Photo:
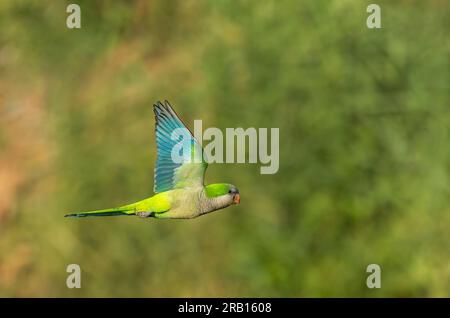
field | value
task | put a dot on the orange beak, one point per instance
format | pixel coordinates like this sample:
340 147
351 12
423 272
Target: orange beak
237 199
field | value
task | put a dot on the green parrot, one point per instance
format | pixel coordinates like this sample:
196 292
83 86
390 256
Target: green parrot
179 187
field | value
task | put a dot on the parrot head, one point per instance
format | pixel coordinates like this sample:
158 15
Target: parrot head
234 193
228 193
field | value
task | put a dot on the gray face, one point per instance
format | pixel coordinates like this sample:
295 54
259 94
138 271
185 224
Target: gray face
223 201
233 190
234 194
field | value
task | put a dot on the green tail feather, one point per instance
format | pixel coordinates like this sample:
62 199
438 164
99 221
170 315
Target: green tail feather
106 212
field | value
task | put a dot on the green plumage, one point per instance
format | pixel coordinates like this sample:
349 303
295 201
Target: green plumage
217 189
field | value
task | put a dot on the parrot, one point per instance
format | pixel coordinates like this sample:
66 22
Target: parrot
180 192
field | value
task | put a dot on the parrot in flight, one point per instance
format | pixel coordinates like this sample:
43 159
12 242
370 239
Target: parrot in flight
179 187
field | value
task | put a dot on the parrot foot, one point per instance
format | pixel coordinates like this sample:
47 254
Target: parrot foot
144 214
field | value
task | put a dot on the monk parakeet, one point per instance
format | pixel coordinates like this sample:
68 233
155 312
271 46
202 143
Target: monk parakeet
179 189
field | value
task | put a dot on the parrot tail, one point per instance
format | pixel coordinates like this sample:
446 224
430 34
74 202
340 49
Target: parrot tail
107 212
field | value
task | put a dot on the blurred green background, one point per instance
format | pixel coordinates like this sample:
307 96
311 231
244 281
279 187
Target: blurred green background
364 124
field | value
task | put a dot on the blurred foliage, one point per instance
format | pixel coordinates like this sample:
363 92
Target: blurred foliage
364 157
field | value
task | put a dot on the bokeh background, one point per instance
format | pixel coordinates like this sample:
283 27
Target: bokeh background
364 124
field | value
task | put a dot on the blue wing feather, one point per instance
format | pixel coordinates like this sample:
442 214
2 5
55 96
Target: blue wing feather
170 174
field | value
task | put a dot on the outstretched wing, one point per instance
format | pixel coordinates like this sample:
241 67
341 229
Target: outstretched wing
180 162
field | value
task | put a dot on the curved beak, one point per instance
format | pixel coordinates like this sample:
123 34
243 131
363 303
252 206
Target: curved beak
237 199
